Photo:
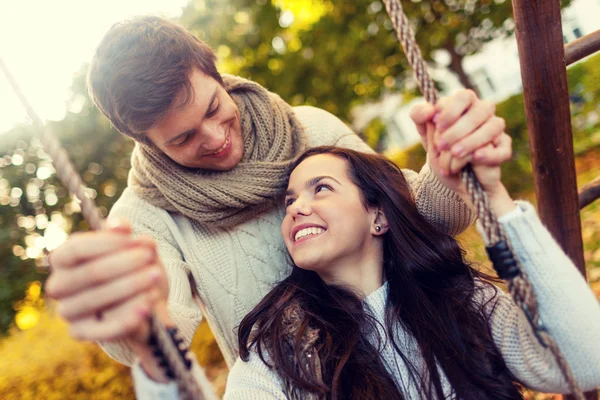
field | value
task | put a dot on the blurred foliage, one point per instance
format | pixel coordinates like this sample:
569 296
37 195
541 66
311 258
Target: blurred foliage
340 52
332 54
45 363
584 87
36 212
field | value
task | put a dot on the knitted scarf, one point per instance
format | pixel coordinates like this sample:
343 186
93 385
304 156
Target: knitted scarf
273 138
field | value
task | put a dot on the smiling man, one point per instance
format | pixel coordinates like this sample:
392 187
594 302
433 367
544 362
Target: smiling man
209 170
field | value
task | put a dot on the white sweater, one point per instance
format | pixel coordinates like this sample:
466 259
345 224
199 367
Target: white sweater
235 268
568 309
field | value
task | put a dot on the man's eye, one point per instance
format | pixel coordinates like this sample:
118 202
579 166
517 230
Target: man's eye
289 201
213 111
184 141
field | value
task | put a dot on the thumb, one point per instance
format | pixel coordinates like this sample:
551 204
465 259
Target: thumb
428 139
421 114
119 225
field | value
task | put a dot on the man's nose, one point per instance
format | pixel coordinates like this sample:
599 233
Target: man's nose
213 135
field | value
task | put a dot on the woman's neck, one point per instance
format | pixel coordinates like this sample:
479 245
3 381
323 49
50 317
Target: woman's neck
363 276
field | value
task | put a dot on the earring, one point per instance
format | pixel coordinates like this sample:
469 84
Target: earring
377 228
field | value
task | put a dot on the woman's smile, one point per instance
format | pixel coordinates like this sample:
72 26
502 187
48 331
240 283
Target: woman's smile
304 233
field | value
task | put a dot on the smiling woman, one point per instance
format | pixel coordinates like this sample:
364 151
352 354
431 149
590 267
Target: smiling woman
380 304
321 210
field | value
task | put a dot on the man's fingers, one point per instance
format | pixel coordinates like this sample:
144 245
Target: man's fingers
127 319
66 282
495 155
451 109
486 133
428 140
445 162
85 246
421 114
119 225
100 298
473 119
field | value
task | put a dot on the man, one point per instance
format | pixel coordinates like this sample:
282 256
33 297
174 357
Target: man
209 168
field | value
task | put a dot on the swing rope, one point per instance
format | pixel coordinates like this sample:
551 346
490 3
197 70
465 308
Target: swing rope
167 345
500 252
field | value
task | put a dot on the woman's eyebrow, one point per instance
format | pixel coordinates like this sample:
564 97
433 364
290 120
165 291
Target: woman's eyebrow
313 182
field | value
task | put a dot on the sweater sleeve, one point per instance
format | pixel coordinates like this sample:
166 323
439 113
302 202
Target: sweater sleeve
253 380
147 389
443 208
567 307
147 219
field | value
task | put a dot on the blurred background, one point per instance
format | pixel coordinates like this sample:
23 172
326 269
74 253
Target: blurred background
342 56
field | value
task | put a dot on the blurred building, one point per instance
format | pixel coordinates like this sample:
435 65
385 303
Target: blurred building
494 71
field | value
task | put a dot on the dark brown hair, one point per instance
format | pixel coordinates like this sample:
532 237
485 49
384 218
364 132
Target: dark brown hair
432 294
139 68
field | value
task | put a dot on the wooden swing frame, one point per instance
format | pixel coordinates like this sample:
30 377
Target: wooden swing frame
544 59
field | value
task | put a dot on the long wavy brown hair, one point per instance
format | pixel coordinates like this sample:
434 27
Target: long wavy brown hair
432 296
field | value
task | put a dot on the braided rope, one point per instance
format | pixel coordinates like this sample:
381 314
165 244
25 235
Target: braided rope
188 386
519 286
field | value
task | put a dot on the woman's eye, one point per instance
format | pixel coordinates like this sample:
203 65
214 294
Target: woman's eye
321 187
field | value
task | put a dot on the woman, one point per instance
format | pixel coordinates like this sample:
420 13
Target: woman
382 305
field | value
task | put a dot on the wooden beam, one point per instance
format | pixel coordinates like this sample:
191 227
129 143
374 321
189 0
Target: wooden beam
538 29
589 193
582 47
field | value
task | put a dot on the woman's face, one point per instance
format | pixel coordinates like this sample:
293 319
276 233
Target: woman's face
326 223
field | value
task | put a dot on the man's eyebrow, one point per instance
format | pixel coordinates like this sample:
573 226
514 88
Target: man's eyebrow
313 182
190 131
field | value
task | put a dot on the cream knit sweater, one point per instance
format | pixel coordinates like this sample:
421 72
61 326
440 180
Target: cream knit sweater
235 268
568 309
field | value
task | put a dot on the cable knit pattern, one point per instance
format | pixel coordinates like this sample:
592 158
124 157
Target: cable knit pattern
235 267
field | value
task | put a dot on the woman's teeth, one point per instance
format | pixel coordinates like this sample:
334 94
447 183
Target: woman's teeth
308 231
222 147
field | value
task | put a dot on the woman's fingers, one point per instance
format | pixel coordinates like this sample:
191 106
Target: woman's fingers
458 163
116 291
489 155
100 270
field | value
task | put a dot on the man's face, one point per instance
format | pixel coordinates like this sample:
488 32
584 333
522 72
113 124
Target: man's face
206 133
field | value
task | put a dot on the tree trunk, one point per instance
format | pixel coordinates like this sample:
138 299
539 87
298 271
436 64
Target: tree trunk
456 67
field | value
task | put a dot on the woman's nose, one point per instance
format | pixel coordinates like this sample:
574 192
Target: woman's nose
301 207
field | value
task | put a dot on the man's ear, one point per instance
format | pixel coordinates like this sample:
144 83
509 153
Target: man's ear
380 223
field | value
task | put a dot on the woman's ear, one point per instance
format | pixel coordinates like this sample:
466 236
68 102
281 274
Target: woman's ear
380 223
